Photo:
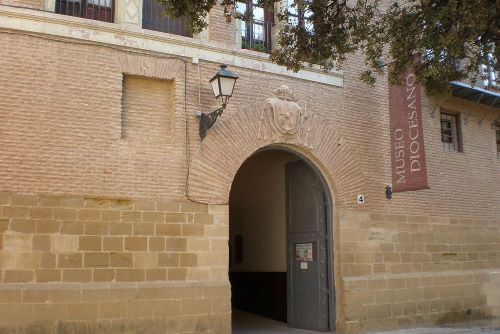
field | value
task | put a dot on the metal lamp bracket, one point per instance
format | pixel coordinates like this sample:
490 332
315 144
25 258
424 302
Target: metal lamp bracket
223 90
208 120
434 111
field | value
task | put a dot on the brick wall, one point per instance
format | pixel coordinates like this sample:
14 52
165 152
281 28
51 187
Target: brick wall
71 128
148 107
454 188
57 134
220 31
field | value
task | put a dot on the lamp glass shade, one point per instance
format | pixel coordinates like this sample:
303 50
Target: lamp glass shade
215 86
223 82
226 86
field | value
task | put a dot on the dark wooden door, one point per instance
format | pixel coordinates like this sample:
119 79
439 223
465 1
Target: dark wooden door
307 289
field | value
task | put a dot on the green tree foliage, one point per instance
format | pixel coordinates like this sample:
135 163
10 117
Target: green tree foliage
445 40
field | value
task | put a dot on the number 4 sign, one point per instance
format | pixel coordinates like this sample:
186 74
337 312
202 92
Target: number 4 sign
361 199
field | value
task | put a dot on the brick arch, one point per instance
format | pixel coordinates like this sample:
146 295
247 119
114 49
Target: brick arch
239 134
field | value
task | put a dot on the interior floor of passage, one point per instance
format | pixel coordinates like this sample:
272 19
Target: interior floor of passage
248 323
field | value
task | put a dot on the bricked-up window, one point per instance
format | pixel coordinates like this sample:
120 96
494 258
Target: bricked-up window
256 29
153 18
451 132
101 10
148 110
497 132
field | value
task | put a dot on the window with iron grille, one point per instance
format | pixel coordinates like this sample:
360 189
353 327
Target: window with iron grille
101 10
154 18
450 132
497 132
300 16
256 27
489 74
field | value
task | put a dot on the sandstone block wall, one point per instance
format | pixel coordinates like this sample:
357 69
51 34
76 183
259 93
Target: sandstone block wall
115 262
400 271
114 308
75 239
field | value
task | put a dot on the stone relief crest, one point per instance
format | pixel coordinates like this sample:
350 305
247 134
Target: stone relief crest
284 119
285 111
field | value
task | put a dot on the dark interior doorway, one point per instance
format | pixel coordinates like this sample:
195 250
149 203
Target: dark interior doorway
265 273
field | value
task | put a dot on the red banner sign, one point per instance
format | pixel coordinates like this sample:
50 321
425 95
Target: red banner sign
409 167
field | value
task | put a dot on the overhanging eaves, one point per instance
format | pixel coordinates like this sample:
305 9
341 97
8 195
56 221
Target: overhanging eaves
475 94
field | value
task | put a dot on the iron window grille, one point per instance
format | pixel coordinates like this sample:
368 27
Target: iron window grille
100 10
154 18
300 16
450 132
489 74
256 25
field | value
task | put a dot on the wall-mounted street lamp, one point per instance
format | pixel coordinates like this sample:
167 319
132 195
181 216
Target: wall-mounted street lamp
223 85
388 191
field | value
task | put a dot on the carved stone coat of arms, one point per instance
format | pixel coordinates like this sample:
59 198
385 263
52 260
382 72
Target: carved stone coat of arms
284 118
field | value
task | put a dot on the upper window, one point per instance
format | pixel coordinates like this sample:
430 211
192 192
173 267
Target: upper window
489 73
153 18
300 17
450 132
256 27
497 132
102 10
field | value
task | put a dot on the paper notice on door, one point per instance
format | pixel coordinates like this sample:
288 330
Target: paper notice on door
303 266
304 252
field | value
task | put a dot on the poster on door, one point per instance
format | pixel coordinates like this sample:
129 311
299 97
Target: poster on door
304 252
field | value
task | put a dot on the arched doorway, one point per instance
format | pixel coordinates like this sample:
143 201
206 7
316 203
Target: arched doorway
245 132
280 237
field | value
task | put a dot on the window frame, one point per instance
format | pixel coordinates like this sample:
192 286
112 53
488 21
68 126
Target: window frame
153 19
490 81
267 25
300 16
83 12
456 143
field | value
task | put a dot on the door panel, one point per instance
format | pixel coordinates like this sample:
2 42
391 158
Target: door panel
307 290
